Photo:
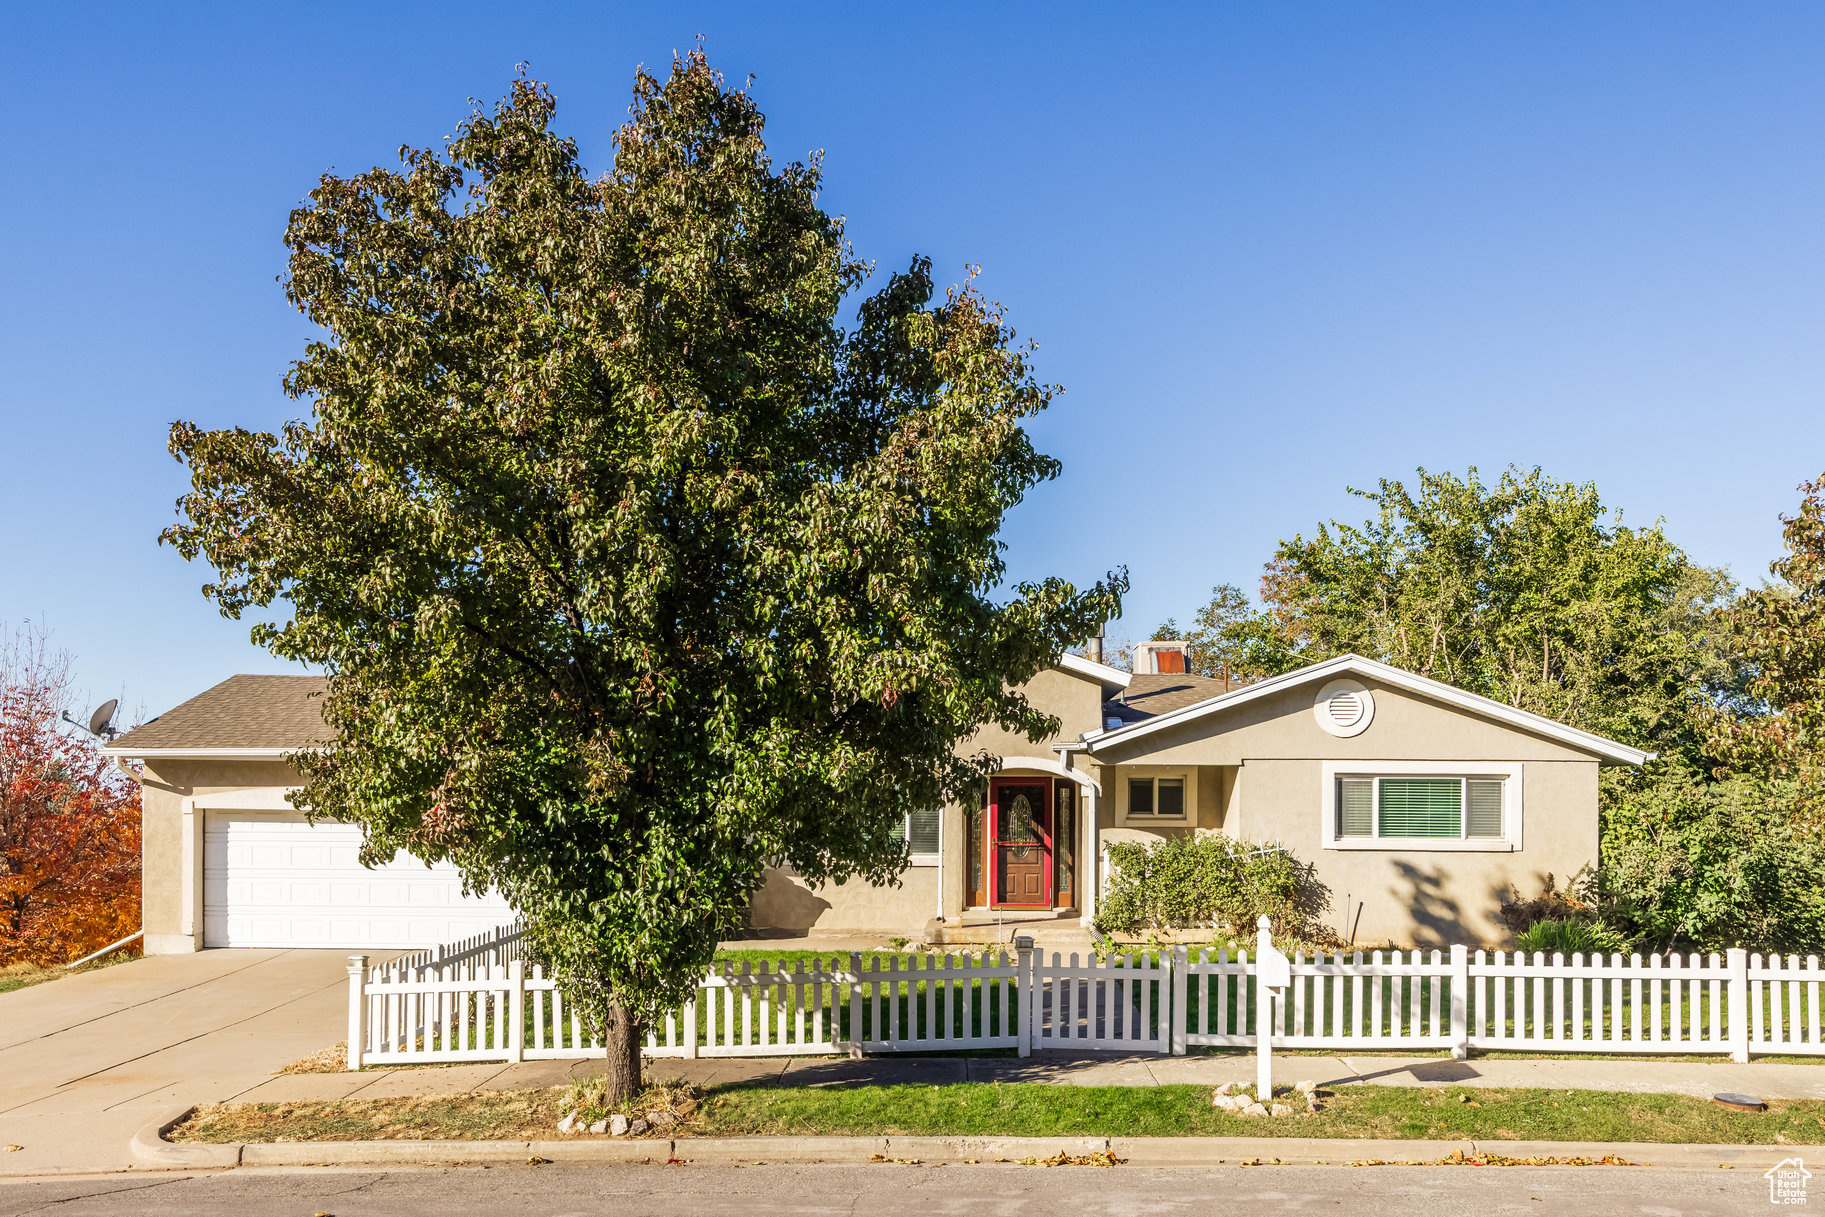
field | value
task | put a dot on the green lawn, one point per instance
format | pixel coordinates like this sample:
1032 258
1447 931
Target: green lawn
1038 1109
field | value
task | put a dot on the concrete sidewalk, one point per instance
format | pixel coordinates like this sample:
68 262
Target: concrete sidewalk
88 1059
1699 1078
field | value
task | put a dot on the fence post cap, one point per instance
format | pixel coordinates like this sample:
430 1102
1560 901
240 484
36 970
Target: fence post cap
1023 942
357 961
1262 923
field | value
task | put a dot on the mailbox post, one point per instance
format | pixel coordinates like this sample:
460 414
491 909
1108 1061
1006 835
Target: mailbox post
1273 975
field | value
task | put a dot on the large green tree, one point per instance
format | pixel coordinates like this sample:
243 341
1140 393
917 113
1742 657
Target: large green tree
1776 633
631 569
1527 591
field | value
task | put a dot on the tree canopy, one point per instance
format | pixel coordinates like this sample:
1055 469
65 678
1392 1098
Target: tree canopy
69 821
1527 591
631 569
1776 634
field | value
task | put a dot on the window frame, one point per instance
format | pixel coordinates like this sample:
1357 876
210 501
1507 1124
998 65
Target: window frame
1187 773
1509 772
935 857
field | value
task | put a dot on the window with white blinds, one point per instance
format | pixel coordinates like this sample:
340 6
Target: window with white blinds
1428 807
920 833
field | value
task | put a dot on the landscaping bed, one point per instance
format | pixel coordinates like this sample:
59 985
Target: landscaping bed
1031 1109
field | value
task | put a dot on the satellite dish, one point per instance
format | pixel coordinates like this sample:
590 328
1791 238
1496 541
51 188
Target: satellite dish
101 722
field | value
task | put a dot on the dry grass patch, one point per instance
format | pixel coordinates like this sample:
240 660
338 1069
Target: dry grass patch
326 1060
505 1115
23 974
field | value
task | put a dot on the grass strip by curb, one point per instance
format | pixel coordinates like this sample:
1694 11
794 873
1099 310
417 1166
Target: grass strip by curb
1392 1113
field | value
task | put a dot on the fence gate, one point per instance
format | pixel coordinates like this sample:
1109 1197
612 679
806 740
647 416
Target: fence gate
1121 1002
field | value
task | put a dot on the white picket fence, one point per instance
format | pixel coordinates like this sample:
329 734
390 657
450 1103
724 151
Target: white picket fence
478 1000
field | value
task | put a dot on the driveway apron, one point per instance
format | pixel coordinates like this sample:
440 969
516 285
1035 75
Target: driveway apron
85 1060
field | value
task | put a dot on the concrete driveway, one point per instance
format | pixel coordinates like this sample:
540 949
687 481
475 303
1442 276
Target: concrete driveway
86 1060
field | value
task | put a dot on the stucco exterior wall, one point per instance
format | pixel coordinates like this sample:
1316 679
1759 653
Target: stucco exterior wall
786 902
1076 701
172 846
1405 893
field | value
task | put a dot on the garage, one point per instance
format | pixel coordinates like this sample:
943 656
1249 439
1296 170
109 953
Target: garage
276 880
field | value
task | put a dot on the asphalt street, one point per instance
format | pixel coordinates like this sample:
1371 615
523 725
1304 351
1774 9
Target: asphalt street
968 1191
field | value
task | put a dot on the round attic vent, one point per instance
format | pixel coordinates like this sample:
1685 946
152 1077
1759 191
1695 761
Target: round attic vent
1344 708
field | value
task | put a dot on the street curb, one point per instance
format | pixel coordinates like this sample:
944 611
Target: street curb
149 1146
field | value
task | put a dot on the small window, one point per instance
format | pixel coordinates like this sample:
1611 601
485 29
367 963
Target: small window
1483 807
920 832
1159 799
1356 807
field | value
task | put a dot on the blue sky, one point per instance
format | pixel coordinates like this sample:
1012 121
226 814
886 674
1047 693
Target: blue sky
1271 251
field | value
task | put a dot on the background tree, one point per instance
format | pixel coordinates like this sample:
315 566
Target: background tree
1776 634
631 571
69 822
1225 642
1527 592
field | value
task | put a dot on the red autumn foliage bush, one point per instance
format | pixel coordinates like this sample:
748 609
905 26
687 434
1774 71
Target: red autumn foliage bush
69 821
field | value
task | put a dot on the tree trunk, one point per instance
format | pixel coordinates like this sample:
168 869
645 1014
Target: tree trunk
624 1038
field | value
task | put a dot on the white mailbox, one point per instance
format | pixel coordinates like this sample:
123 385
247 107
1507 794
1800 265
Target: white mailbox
1276 968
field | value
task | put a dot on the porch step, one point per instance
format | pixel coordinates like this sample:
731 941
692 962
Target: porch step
1047 930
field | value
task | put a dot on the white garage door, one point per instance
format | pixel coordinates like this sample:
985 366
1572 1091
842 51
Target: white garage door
278 881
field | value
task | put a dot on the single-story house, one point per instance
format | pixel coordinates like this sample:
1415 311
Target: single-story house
1417 803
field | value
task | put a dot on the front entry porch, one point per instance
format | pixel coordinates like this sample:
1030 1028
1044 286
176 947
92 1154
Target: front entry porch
1022 848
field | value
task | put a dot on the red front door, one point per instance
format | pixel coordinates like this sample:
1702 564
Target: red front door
1020 844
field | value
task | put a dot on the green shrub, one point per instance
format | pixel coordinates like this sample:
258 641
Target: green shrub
1205 879
1570 938
1690 864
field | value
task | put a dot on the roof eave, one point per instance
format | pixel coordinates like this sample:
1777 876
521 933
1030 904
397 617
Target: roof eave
1606 749
222 754
1099 672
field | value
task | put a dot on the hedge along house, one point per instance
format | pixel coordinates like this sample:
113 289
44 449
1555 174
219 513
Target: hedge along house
1416 804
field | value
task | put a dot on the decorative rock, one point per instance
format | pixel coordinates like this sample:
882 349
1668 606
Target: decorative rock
638 1127
1254 1109
1280 1109
568 1124
661 1119
600 1126
686 1107
1226 1102
1306 1087
1226 1089
617 1125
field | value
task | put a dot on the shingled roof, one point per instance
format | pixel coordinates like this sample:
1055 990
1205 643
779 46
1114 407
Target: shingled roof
243 712
1151 693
